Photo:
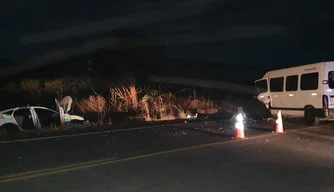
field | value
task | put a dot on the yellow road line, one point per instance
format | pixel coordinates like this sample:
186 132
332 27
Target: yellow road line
54 169
68 168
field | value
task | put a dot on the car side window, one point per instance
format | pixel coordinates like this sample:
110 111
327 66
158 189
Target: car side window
23 118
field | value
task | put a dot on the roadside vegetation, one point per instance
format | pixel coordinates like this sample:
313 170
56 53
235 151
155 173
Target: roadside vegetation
103 102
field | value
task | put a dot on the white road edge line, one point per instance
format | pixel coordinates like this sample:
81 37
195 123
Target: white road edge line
84 134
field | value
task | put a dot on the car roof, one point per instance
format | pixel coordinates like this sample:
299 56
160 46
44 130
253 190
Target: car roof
25 107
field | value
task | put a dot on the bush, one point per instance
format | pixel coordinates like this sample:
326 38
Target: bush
67 86
55 86
161 107
147 103
228 106
124 99
93 108
198 104
203 106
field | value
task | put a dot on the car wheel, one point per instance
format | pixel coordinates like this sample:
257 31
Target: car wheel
309 115
9 128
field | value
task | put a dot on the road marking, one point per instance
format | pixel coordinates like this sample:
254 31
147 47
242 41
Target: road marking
53 169
91 133
96 163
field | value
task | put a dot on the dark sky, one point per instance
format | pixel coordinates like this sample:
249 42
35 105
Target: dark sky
244 34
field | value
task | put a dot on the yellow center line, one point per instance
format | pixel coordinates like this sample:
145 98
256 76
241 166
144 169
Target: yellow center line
54 169
96 163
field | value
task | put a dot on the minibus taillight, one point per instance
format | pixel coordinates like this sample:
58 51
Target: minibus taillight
325 101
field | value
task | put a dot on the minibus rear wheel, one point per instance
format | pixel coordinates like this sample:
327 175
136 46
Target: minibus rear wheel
309 115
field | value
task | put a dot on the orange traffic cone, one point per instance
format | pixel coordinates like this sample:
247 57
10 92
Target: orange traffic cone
239 131
279 123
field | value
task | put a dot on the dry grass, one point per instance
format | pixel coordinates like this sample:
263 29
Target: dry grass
228 106
31 86
51 128
201 106
158 108
67 86
124 99
55 86
148 103
94 107
181 112
196 104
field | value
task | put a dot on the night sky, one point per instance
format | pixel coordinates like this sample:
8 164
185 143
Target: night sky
212 39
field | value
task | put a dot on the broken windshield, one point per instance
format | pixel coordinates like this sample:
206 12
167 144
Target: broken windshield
261 86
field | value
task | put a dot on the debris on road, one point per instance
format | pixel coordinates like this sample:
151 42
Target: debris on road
189 117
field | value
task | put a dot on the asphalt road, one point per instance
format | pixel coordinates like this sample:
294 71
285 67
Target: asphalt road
30 155
299 160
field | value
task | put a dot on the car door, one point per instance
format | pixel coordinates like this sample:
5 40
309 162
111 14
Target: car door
292 93
61 112
263 91
24 118
46 118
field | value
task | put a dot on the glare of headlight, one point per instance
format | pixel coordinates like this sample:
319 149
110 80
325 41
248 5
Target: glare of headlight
239 117
239 125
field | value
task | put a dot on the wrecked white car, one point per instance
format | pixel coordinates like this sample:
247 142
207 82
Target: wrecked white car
31 117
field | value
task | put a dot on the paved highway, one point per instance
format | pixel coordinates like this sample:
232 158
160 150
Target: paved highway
299 160
47 152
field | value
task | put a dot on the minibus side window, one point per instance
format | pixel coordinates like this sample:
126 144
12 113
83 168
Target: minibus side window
331 79
276 84
291 83
309 81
